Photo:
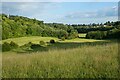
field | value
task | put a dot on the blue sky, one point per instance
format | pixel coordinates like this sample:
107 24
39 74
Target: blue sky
64 12
59 0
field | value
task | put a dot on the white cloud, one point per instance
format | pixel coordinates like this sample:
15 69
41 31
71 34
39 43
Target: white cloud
106 12
43 11
30 7
40 10
27 7
115 8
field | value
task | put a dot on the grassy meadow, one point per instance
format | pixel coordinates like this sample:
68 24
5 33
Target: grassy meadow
35 39
76 58
23 40
82 35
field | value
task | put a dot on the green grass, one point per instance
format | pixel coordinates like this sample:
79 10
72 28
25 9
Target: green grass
82 35
76 58
67 44
98 61
35 39
23 40
82 40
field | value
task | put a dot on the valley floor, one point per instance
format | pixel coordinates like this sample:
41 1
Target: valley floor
64 60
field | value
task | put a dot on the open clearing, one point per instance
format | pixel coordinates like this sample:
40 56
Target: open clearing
23 40
35 39
82 35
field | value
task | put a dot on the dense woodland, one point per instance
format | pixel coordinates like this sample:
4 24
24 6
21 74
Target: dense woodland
19 26
109 30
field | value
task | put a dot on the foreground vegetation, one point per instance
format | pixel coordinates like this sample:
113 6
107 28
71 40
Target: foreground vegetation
86 61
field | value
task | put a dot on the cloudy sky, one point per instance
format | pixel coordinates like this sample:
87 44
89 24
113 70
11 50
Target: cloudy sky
64 12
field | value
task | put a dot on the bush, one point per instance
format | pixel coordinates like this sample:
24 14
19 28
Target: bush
52 41
42 43
114 33
6 47
35 46
13 45
63 38
28 44
110 34
96 35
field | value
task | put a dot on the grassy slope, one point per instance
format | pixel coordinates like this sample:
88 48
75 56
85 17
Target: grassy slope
35 39
66 59
85 62
23 40
82 40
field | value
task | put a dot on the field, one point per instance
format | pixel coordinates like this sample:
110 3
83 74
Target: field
35 39
82 35
23 40
76 58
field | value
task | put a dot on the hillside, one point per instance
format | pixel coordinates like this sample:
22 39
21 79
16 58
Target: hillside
19 26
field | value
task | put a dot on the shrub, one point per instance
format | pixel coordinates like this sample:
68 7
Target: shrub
114 33
52 41
42 43
28 44
34 46
96 35
63 38
13 45
6 47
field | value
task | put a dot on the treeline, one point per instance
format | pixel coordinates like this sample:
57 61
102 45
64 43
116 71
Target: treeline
113 33
19 26
85 28
110 34
108 30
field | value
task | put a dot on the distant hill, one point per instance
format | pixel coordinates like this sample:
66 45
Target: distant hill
19 26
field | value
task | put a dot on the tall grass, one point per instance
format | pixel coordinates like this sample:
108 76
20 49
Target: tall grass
0 65
99 61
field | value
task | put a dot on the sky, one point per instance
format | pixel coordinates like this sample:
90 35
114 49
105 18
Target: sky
59 0
64 12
